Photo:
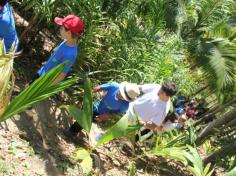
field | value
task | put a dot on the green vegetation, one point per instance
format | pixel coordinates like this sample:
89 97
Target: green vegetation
189 42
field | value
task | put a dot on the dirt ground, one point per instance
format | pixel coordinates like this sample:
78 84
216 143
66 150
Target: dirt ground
32 143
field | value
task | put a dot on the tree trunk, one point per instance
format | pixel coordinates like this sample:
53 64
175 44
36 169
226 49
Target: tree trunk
231 123
212 113
216 124
222 152
32 22
200 90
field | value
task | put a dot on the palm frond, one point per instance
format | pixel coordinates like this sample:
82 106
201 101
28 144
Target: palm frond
38 91
218 59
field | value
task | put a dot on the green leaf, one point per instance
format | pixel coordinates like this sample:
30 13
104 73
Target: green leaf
88 104
79 116
175 153
231 173
116 131
83 156
84 116
120 129
207 171
38 91
194 171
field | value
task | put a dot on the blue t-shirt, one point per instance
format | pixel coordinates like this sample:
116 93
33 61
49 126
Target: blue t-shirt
7 28
110 103
61 54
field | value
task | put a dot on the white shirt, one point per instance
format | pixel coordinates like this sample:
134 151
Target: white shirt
149 107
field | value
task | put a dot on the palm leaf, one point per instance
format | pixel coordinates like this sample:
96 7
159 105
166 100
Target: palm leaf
120 129
6 68
84 116
218 61
88 104
175 153
79 116
38 91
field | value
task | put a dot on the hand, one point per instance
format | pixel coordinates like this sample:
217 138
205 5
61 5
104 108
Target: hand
150 126
102 118
96 89
98 119
159 129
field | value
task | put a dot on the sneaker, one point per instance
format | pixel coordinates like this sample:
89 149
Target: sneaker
70 134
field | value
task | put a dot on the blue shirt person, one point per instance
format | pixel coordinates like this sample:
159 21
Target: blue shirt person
110 103
61 54
71 28
116 100
7 27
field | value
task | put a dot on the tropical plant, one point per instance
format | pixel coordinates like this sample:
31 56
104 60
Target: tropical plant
41 89
85 159
7 77
122 128
197 168
186 157
217 57
231 173
84 116
131 169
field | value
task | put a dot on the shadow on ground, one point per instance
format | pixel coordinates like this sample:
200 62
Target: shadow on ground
43 127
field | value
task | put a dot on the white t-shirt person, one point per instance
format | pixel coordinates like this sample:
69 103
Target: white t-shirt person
149 107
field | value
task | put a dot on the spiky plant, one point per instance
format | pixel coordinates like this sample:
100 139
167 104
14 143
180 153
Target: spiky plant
6 78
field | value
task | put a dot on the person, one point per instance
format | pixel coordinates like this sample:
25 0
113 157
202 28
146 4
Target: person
7 26
171 121
152 107
71 28
115 101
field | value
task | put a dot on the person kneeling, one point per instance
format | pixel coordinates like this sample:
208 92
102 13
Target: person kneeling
116 101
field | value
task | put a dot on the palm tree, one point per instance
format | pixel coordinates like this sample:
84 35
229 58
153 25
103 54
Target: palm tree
39 90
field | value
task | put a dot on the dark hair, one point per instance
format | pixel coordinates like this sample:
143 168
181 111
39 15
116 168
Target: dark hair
169 88
171 117
3 2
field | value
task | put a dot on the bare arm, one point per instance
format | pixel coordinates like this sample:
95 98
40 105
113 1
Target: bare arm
102 118
153 127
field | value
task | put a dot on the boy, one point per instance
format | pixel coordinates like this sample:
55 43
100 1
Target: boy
7 26
71 28
153 106
116 101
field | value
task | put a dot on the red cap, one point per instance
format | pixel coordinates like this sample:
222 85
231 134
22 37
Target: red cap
72 23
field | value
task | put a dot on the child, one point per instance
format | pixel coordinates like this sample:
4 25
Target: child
7 26
116 101
71 27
